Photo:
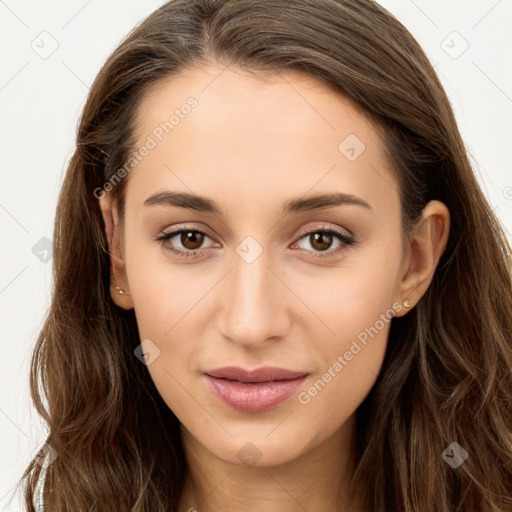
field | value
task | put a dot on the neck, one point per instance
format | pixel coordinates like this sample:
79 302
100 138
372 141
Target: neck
316 480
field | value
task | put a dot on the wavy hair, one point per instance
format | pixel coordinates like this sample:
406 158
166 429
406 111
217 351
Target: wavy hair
447 373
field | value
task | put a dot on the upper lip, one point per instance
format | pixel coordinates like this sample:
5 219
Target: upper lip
263 374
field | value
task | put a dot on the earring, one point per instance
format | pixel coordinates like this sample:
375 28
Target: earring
407 303
120 291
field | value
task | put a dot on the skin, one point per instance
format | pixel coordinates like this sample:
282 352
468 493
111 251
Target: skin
251 145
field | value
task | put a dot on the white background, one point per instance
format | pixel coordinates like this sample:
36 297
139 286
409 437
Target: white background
40 102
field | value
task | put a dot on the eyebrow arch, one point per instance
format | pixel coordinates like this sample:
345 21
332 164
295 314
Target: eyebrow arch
203 204
323 201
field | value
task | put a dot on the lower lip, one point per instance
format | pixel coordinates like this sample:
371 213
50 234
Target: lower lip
254 396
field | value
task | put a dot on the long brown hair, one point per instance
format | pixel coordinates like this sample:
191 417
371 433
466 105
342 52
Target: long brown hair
447 374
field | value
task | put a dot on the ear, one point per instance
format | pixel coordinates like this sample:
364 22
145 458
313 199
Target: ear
119 290
425 247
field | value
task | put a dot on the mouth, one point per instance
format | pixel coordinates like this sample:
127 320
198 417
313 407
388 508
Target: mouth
256 390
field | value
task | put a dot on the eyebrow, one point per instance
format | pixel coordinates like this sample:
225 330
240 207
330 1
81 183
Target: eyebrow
203 204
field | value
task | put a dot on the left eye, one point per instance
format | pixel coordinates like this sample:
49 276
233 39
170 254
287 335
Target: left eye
321 241
192 240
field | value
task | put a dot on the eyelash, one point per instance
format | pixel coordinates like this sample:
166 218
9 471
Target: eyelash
347 241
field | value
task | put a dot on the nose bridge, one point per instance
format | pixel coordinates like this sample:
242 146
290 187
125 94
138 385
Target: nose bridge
253 299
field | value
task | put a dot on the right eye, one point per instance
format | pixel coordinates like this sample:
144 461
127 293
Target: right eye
190 239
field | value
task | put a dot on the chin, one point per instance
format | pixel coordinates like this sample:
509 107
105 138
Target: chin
255 447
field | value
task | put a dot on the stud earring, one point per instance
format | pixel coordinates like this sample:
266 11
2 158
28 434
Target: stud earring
407 303
120 291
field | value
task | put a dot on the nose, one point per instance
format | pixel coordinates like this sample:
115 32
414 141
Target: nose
254 303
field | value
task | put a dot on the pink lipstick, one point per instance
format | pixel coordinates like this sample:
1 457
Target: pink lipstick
254 390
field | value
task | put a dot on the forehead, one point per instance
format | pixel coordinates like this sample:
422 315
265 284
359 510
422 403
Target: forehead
289 102
271 135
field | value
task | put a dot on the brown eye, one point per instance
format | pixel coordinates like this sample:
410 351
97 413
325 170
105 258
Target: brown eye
191 239
320 241
325 242
185 243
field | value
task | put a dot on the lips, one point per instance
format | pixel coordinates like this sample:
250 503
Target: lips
265 374
254 390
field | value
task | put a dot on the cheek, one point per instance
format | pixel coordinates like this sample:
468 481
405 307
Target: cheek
350 363
163 291
356 308
352 298
168 305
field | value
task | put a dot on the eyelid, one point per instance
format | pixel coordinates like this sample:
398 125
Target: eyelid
324 227
179 228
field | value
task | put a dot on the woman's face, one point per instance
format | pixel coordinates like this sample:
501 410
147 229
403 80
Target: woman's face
265 285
